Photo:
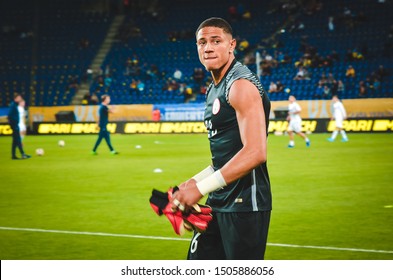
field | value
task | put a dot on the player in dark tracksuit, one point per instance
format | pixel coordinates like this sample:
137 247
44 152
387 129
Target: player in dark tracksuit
237 118
13 120
102 123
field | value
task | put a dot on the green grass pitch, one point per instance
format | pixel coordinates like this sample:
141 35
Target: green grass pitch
331 201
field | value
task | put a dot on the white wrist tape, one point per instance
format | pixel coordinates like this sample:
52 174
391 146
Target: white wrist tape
203 174
211 183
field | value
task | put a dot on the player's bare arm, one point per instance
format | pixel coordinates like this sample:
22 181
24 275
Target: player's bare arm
187 195
246 100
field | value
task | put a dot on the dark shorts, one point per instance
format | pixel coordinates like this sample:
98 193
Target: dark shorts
232 236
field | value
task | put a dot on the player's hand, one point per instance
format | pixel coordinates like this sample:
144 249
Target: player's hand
196 217
186 196
184 184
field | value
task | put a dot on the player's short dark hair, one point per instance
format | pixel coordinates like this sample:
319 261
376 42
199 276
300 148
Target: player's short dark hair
215 22
17 94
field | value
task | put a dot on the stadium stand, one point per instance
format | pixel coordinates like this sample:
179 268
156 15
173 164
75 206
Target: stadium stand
49 47
46 48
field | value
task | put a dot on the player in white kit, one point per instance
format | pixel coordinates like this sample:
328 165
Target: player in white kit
22 119
339 114
295 122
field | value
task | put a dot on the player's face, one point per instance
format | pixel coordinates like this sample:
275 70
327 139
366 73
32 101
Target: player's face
107 100
215 47
18 99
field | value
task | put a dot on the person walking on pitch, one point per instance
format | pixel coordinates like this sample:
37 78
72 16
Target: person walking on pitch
295 122
103 111
339 115
13 120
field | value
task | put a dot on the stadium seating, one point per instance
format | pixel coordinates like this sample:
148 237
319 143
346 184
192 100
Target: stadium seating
48 65
43 56
157 45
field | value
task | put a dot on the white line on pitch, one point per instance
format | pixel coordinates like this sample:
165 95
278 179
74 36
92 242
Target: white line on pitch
331 248
95 233
186 239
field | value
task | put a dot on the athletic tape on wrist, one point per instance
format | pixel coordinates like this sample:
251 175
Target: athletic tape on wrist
203 174
211 183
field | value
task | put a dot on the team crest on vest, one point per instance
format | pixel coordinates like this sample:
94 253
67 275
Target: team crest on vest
216 106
